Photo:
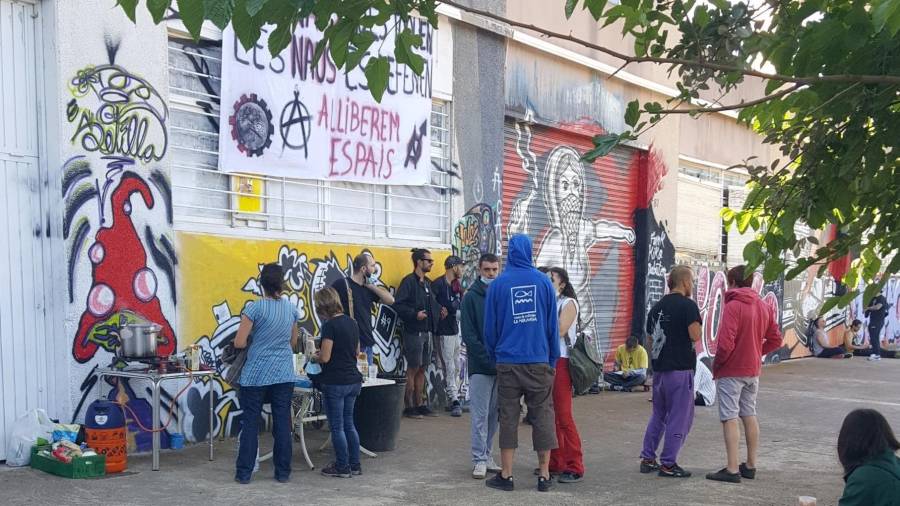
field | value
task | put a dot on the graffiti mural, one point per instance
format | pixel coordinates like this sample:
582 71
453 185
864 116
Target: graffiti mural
210 316
473 235
580 217
117 221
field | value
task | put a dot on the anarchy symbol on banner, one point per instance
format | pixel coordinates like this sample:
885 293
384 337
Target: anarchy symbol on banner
414 146
295 114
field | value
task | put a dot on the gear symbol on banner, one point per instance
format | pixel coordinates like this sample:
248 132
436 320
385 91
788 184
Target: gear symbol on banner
251 125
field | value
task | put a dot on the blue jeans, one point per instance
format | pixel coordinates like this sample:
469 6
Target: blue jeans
339 403
252 400
483 407
370 354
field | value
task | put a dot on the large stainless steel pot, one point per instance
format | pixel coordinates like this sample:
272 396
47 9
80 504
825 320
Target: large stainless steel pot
138 340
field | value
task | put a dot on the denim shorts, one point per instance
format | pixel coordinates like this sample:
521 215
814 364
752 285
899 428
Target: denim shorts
417 349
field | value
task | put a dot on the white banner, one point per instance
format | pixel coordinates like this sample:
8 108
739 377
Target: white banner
283 116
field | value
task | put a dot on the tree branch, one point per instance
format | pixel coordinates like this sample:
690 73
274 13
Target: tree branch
838 78
741 105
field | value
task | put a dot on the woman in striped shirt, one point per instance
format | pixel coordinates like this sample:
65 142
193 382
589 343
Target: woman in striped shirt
269 327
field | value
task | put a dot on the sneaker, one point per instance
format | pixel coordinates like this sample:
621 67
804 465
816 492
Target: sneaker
724 475
649 466
242 481
334 472
356 471
492 466
747 472
627 389
412 413
456 409
874 358
424 410
500 483
595 389
285 479
616 388
544 485
479 472
569 477
848 355
673 471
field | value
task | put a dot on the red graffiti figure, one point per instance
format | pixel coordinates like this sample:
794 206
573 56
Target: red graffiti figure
122 282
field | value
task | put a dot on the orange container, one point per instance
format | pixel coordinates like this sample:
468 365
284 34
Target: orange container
109 442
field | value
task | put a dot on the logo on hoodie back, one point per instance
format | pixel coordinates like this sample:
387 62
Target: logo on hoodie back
524 305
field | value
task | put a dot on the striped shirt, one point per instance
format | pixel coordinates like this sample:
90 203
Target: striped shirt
269 357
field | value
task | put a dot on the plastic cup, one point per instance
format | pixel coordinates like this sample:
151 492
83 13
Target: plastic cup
373 372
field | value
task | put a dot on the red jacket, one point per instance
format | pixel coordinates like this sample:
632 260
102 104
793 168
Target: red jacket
747 332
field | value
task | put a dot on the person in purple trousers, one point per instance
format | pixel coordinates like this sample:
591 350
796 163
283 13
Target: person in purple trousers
673 325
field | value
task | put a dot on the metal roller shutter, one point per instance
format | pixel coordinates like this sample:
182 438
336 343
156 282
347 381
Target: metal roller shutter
580 217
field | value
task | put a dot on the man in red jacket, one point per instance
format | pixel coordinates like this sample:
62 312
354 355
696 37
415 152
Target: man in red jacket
747 331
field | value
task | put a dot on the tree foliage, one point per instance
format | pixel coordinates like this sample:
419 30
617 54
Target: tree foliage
831 103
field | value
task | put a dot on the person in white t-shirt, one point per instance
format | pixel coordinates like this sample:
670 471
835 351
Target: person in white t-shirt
566 460
704 385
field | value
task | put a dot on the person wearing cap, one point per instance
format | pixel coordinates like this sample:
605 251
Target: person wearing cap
448 292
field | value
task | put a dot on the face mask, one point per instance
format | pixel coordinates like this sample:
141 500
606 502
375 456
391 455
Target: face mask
486 281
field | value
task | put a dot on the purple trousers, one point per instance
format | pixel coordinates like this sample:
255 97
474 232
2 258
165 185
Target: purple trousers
673 415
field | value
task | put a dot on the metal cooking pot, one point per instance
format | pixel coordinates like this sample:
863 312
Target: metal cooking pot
138 340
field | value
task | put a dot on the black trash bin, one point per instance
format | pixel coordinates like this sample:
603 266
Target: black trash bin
377 415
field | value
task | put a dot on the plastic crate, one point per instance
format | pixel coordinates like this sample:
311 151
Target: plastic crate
81 467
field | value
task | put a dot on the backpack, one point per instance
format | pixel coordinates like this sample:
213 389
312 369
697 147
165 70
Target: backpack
583 371
811 335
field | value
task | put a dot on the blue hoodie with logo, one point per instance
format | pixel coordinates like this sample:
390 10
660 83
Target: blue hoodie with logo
520 321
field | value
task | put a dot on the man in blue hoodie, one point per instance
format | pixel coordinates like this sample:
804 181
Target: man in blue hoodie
521 334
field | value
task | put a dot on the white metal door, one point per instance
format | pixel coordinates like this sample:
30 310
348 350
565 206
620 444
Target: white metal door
23 233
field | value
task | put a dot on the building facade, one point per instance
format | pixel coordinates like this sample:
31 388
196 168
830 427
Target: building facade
117 210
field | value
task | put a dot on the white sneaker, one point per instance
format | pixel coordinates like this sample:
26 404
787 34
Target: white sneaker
492 466
874 357
479 472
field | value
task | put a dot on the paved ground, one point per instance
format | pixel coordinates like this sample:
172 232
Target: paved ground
802 405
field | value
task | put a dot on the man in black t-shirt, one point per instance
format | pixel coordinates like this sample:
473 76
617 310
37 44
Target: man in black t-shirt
673 325
876 311
448 292
363 285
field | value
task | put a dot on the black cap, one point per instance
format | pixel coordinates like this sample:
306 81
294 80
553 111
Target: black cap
452 261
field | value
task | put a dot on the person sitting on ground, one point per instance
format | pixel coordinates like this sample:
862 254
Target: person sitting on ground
851 337
630 366
867 450
821 346
340 381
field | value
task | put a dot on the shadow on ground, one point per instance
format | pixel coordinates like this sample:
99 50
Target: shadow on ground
802 404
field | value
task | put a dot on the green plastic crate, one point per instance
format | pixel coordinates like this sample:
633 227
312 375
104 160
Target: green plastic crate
81 467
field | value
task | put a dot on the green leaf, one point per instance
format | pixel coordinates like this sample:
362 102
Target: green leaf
191 12
339 41
886 14
603 144
774 268
281 36
570 7
129 6
157 9
701 16
753 254
254 6
404 53
320 50
246 28
595 7
632 113
353 59
376 71
218 11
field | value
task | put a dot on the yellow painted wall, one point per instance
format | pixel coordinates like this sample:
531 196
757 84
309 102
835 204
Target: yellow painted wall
215 270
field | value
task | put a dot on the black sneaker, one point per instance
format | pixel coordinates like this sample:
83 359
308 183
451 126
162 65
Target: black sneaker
334 472
569 477
424 410
544 485
649 466
356 471
242 481
412 413
747 472
595 389
724 475
283 479
674 471
500 483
